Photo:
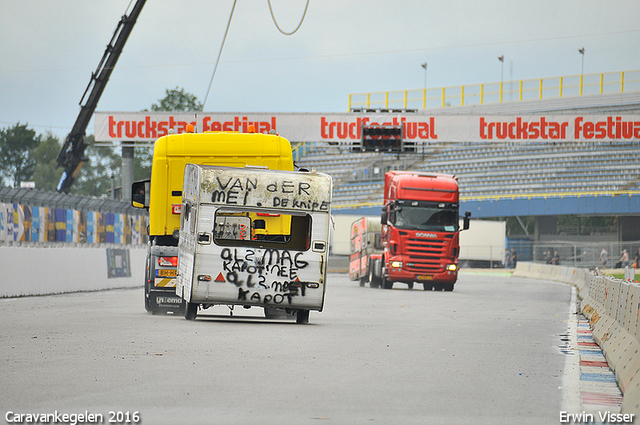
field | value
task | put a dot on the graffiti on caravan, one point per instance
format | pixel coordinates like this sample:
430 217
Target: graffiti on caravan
267 276
295 193
256 265
285 295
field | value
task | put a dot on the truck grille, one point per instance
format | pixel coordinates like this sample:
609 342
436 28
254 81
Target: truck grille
425 255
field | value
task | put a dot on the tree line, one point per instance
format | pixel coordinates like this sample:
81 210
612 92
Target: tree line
29 157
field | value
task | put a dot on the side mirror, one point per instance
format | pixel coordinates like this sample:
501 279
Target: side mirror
384 216
140 194
467 219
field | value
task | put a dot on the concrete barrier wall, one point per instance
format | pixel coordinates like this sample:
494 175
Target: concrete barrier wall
578 277
613 308
42 271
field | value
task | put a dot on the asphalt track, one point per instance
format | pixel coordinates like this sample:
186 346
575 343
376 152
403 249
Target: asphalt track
490 352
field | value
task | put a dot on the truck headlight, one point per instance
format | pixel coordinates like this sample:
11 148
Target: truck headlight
396 264
452 267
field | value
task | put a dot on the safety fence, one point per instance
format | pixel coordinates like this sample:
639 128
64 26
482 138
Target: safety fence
33 217
613 309
585 254
507 91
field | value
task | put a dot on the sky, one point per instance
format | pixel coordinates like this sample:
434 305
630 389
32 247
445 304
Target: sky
49 48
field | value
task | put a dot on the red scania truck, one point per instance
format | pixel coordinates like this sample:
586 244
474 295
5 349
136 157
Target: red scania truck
420 230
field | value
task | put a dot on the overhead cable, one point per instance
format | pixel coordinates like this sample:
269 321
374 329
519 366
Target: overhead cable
219 54
297 28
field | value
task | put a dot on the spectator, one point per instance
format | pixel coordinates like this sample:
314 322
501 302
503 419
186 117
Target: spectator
624 260
636 260
514 258
604 258
547 258
555 260
507 259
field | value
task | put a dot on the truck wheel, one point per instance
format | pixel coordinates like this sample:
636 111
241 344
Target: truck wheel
191 311
373 281
363 281
270 313
147 299
428 286
302 317
276 313
448 287
410 284
386 284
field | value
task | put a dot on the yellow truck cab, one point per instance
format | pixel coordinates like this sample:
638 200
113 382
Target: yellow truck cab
162 196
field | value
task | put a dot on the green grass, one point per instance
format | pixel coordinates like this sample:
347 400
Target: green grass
620 275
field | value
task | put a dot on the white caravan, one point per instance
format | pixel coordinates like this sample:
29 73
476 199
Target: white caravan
254 237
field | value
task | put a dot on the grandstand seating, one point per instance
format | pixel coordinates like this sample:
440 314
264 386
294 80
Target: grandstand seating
498 168
487 169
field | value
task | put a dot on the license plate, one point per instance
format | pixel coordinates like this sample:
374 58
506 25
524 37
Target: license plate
166 273
424 277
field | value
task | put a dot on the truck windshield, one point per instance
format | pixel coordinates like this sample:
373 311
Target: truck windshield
426 217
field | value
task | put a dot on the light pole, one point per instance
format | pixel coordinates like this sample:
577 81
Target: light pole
424 65
424 93
501 59
581 51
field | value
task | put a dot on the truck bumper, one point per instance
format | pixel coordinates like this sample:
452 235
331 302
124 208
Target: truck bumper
401 275
163 300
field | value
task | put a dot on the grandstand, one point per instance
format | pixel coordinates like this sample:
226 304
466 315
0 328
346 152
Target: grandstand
511 180
488 169
537 168
541 179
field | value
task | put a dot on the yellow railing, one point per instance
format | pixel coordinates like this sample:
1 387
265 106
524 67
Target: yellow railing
508 91
300 149
518 196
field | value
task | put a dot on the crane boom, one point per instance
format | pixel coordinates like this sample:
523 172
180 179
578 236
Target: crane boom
71 155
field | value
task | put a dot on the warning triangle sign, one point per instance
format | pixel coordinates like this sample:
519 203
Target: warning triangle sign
220 278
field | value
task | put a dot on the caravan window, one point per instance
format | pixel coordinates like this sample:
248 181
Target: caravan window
260 229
